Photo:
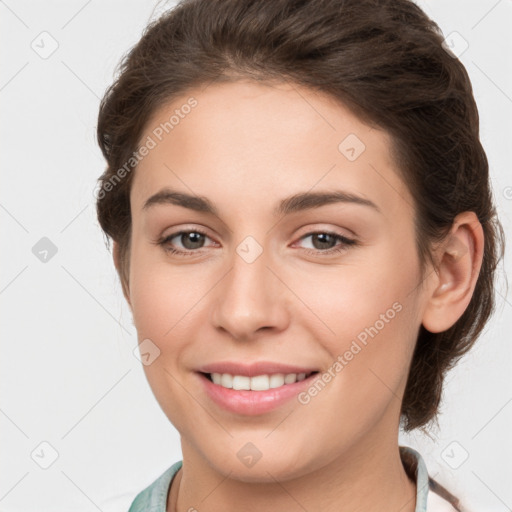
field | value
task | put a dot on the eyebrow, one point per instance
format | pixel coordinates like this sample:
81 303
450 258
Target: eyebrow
298 202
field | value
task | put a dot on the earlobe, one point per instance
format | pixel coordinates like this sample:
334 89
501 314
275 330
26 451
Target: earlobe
460 259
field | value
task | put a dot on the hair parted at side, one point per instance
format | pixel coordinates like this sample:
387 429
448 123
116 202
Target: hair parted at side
385 61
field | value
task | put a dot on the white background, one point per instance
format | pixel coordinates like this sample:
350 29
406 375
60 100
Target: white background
68 374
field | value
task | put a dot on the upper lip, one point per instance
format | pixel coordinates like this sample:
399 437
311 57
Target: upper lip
253 369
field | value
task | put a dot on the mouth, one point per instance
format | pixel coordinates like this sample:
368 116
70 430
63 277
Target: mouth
262 382
255 395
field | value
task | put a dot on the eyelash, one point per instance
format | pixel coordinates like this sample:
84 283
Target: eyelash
345 242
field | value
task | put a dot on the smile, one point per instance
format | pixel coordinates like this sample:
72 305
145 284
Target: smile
258 382
256 395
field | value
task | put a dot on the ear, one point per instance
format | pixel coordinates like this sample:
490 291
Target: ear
117 263
460 259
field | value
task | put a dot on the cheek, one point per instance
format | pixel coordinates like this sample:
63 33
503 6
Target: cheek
165 304
369 361
162 295
343 302
370 312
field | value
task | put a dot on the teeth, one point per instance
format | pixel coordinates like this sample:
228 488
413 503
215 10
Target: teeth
241 382
257 383
260 383
290 378
226 380
276 380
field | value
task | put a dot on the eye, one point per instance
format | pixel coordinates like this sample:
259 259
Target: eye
325 242
190 241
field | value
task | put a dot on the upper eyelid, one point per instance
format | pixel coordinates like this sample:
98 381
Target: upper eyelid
203 230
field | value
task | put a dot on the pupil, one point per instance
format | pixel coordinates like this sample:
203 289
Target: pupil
323 243
192 240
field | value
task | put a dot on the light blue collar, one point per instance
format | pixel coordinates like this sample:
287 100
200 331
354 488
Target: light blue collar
418 471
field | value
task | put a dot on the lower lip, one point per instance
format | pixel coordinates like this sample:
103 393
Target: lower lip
252 403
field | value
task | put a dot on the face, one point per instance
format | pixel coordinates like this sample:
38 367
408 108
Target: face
327 281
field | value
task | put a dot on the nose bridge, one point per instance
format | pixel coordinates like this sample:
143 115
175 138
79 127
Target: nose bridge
249 295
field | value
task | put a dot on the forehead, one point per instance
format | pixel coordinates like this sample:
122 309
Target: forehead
264 140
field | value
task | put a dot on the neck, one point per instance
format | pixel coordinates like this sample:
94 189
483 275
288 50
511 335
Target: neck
364 478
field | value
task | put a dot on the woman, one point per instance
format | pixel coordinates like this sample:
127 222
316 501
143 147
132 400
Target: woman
305 233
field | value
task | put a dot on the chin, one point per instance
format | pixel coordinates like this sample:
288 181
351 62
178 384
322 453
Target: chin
263 470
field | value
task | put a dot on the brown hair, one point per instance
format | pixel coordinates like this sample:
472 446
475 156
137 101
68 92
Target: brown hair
385 60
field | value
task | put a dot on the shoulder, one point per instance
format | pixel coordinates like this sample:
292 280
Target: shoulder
153 497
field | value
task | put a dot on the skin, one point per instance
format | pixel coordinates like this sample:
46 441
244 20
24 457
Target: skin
245 147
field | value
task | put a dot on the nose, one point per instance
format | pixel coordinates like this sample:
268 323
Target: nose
250 299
